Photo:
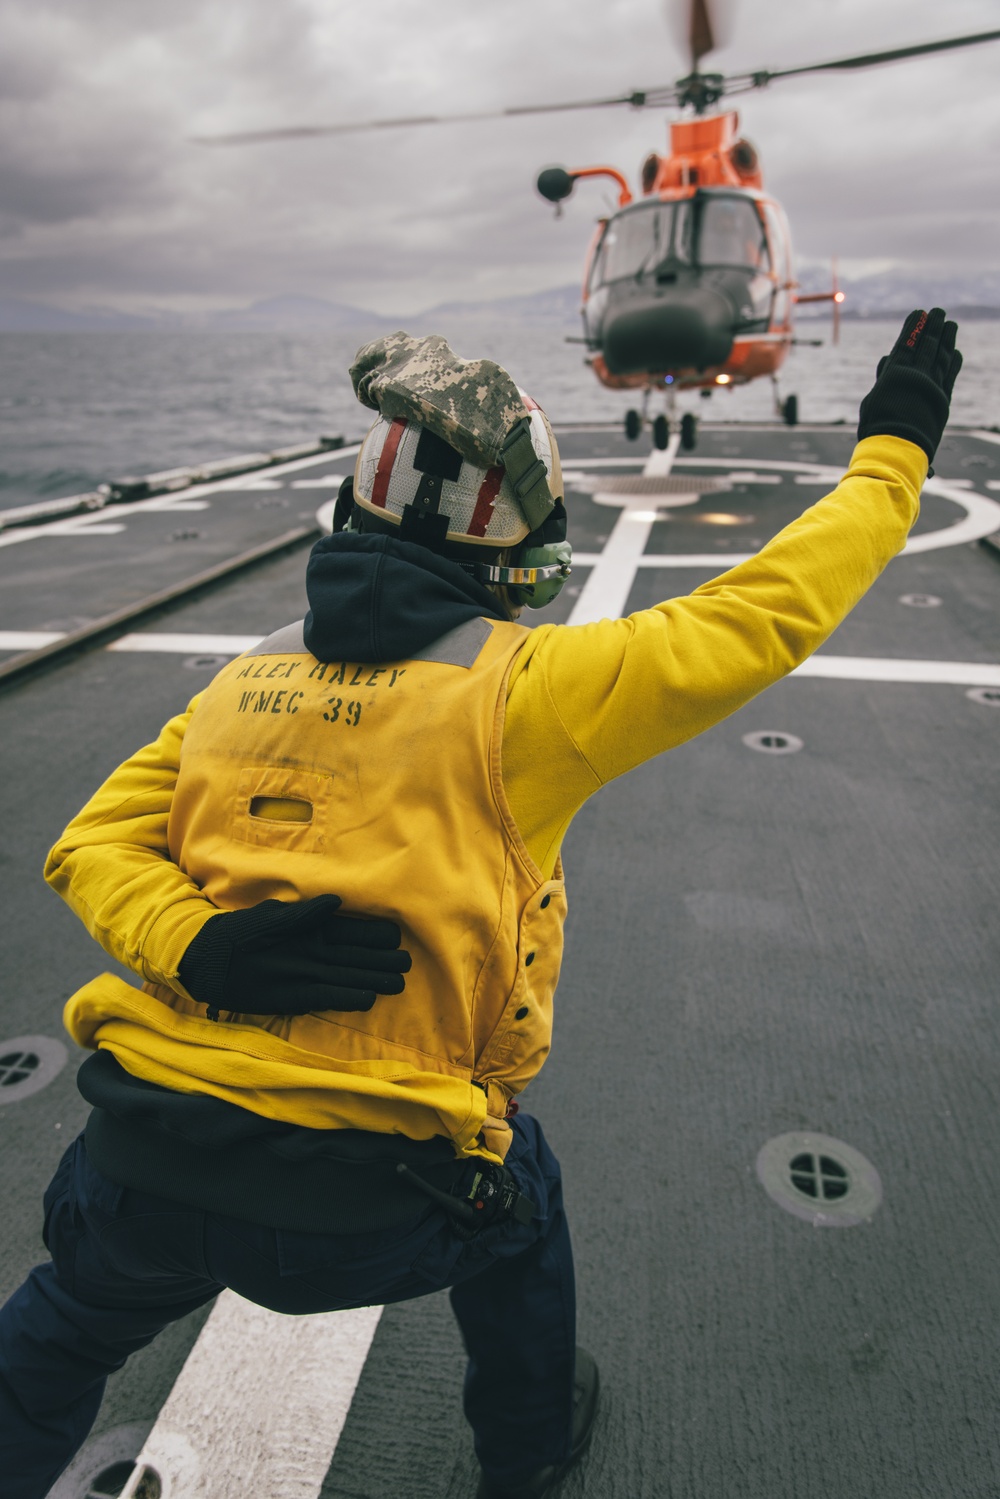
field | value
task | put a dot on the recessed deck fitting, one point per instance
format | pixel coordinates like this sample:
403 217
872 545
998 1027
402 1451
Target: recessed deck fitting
819 1179
28 1064
773 742
206 663
988 695
104 1466
920 600
109 1483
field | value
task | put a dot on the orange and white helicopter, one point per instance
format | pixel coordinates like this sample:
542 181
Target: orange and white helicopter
690 285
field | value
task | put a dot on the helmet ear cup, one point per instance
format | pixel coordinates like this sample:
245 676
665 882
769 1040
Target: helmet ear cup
538 595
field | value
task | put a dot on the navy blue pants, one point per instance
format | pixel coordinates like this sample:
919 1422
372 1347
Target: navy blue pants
125 1264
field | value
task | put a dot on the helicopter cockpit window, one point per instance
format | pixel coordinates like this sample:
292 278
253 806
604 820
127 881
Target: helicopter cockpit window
684 222
732 234
635 242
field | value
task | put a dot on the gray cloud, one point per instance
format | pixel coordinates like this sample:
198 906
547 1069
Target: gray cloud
103 197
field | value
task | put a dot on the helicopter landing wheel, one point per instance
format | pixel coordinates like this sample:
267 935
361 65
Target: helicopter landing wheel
790 411
633 424
661 431
689 431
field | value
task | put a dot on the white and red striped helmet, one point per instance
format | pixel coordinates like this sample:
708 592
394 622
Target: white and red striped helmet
481 504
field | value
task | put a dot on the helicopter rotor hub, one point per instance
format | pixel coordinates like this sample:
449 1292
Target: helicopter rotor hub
701 90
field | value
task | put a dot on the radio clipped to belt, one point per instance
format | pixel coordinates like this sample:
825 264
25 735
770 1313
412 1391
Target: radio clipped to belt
492 1197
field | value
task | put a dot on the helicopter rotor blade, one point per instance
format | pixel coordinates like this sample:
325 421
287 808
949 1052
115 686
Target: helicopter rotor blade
699 26
638 99
870 59
701 37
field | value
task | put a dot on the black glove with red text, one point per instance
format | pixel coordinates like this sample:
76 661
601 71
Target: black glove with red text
293 957
913 383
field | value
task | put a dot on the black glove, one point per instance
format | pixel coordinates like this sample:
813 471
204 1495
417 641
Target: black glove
288 958
913 384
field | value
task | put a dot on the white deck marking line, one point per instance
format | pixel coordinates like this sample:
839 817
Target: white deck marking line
75 527
266 1421
186 645
28 640
606 591
182 499
174 502
986 436
982 518
326 481
580 464
878 669
836 668
717 560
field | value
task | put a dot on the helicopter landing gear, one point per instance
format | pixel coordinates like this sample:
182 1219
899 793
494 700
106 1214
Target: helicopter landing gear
786 410
636 420
661 431
689 431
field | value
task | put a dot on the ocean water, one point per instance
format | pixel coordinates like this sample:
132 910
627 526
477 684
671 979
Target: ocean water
78 409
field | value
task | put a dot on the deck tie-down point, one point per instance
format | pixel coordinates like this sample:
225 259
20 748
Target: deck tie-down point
819 1179
28 1064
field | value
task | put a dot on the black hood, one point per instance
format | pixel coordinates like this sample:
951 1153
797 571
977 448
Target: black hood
375 599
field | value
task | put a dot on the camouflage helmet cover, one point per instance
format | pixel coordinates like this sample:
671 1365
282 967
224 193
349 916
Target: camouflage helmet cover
473 405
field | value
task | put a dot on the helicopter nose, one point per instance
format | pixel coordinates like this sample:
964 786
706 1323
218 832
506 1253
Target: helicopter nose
651 332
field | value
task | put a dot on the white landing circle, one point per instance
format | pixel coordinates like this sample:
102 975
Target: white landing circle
982 515
324 516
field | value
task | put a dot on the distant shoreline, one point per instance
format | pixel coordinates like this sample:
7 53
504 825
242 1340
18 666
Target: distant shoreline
894 315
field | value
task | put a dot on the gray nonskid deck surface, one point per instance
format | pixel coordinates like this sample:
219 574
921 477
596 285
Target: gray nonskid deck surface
757 944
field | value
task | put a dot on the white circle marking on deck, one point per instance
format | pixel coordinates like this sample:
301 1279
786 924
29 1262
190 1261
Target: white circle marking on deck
982 515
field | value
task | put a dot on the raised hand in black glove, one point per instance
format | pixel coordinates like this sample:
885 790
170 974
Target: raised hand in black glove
913 384
288 958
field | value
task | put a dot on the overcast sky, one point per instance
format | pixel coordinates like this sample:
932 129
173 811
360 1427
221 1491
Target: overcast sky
104 199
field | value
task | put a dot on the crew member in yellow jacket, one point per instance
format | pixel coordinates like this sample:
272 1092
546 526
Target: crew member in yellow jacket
415 749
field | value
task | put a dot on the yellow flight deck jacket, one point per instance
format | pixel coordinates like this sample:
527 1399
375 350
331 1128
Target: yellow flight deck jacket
437 796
